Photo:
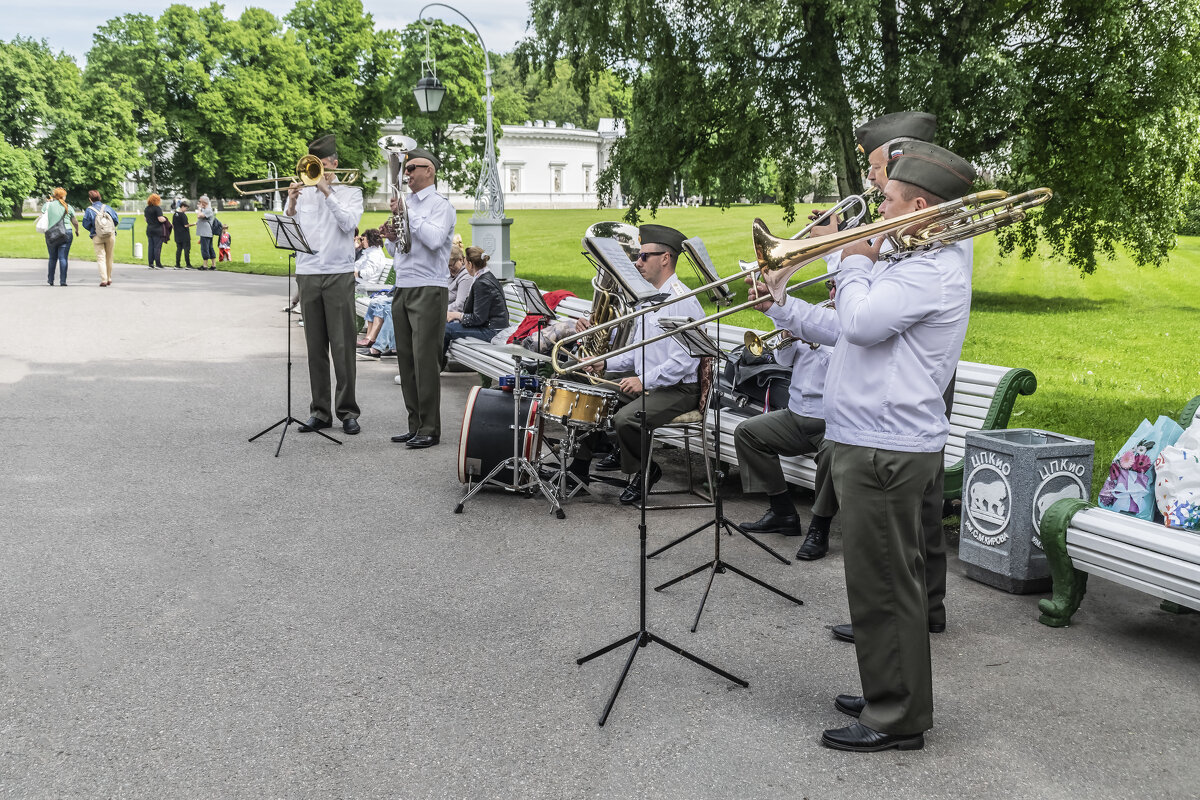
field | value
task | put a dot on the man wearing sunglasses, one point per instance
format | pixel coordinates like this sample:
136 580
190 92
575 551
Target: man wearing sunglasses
328 213
421 295
665 375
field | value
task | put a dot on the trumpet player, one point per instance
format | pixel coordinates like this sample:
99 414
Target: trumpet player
901 324
328 213
796 430
421 296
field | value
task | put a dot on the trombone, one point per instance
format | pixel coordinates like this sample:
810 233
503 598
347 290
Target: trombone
860 203
309 171
779 259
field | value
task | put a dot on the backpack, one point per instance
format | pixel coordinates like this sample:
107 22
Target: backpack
103 224
217 227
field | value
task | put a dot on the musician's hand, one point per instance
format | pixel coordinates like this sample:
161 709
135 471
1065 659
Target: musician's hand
597 368
388 232
759 290
323 185
582 324
631 385
863 247
397 205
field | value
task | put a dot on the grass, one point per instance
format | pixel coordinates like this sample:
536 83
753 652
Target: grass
1107 350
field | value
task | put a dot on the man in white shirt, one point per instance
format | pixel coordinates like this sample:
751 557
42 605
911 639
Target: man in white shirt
900 325
328 214
421 297
664 371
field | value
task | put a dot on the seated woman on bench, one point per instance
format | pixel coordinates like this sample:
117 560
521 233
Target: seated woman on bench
485 313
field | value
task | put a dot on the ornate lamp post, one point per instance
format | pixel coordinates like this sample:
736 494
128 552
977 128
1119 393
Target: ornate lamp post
489 226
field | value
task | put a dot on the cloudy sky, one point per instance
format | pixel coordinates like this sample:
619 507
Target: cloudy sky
68 24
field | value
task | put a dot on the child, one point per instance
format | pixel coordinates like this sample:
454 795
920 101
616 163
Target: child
223 245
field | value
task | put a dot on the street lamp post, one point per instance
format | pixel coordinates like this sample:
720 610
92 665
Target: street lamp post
489 225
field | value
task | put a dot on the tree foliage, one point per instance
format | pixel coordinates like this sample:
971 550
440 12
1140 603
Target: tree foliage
526 94
1098 99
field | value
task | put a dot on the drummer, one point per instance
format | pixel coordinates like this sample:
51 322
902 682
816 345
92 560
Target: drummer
662 377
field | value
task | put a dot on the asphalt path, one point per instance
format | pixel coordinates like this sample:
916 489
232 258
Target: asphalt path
184 615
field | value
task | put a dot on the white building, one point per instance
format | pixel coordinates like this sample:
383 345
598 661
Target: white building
542 164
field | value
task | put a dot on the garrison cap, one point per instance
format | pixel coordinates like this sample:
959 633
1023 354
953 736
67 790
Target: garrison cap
323 146
661 234
901 125
932 168
417 152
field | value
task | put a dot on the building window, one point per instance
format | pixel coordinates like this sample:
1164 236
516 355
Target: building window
587 179
514 179
558 185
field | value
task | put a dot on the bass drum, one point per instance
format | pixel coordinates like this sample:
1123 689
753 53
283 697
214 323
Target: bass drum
486 438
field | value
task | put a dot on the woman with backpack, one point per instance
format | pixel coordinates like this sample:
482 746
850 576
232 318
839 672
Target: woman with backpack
156 229
101 222
58 235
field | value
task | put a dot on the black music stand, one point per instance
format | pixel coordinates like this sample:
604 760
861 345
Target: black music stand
700 345
286 235
642 636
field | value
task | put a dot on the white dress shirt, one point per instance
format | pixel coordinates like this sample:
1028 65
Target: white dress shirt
806 393
667 362
902 325
431 225
328 225
372 265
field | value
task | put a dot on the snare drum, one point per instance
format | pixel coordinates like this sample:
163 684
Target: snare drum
578 404
487 439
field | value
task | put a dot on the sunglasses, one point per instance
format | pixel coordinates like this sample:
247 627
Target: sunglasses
644 256
414 167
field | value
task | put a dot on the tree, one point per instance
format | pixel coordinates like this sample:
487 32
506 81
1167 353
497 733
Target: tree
18 177
92 144
1099 100
522 93
459 62
353 89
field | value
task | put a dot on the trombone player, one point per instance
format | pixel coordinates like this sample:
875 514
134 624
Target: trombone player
328 213
901 324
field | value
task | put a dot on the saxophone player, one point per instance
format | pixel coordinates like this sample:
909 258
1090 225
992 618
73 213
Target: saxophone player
420 298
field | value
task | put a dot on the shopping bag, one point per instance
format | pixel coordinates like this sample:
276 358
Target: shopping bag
1177 481
1129 487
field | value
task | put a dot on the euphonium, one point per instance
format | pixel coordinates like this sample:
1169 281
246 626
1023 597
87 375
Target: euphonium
395 149
609 301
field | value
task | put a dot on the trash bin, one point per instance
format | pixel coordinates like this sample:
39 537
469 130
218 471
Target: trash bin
137 250
1011 478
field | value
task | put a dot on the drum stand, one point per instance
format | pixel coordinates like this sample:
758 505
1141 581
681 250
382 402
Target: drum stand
718 565
643 637
520 466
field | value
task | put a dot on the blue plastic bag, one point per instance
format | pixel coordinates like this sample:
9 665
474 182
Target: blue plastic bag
1130 484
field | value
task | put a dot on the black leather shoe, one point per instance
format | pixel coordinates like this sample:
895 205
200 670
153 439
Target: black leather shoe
850 704
846 632
861 739
771 522
314 424
401 438
815 546
610 462
350 426
420 441
633 491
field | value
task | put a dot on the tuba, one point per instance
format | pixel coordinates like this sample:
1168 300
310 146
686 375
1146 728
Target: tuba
395 149
610 300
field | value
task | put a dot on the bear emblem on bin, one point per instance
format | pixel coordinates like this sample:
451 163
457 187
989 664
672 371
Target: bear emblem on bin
988 499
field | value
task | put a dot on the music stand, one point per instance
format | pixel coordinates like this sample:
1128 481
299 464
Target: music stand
531 297
286 235
699 344
642 636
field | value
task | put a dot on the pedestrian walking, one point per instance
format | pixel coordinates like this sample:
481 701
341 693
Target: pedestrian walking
59 234
100 221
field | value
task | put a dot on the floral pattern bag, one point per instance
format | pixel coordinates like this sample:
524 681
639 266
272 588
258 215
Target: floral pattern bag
1130 484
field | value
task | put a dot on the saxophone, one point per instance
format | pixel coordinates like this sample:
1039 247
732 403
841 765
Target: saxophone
395 149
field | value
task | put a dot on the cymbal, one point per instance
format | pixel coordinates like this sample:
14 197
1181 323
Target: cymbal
518 350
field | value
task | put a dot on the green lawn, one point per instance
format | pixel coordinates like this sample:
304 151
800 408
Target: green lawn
1108 350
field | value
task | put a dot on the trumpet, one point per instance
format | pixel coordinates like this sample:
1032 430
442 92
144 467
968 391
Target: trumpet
775 340
309 171
780 259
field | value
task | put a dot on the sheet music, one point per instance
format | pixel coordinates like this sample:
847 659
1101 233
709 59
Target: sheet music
286 234
696 340
532 298
696 250
611 256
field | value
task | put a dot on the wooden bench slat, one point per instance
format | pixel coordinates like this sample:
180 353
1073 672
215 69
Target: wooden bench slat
1180 544
1159 575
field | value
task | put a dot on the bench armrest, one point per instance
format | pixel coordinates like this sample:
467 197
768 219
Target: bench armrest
1069 583
1017 381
